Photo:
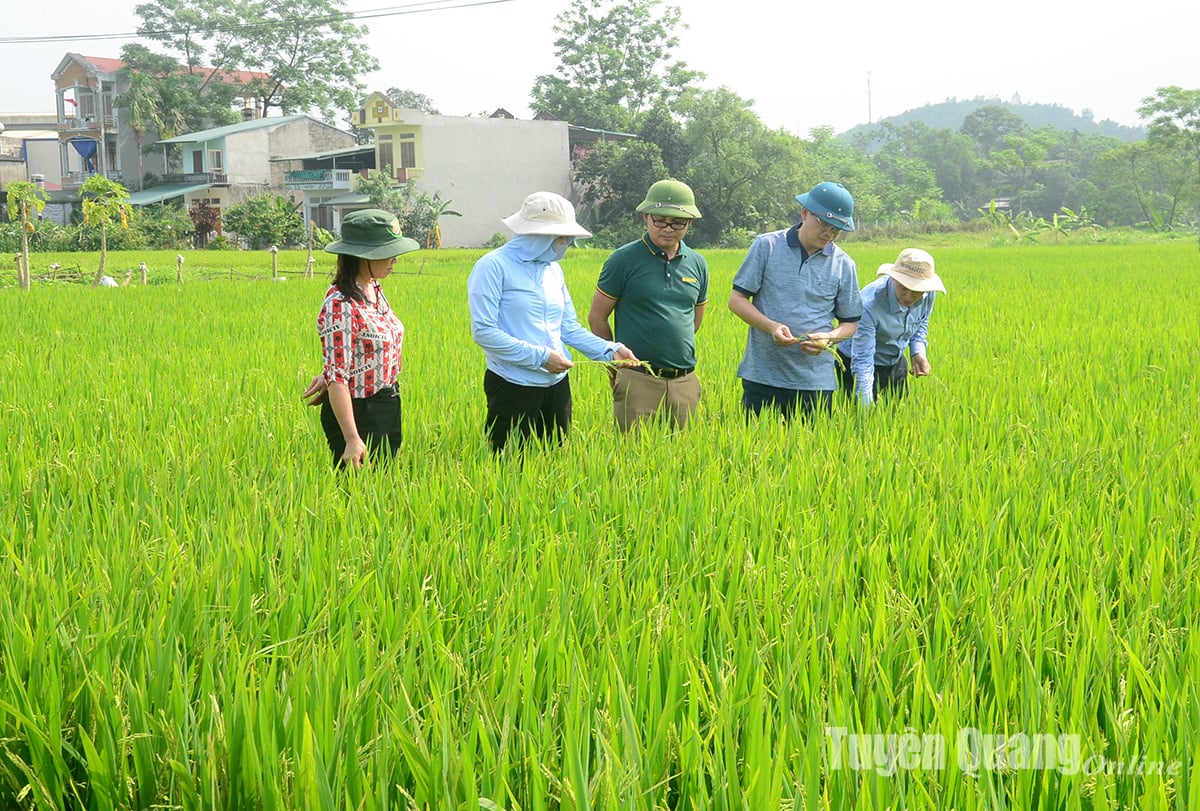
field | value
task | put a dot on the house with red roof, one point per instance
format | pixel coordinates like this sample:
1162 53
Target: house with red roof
94 133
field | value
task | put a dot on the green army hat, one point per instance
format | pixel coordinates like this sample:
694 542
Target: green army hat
670 198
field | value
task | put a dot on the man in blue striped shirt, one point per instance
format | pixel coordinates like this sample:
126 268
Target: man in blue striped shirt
798 292
896 310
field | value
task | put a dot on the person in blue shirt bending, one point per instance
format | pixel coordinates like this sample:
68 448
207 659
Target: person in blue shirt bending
896 310
523 319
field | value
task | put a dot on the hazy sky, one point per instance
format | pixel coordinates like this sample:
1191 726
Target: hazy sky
804 65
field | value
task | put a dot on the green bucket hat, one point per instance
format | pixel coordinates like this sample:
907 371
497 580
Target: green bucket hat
372 234
670 198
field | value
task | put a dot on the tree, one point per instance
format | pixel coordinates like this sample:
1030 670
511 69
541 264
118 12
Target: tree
165 99
830 158
164 226
1145 178
950 154
417 211
303 54
1174 115
265 220
614 62
141 103
612 180
659 127
25 199
411 100
989 125
744 175
105 203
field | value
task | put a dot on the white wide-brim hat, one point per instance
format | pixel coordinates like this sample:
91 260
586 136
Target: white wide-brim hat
546 213
913 268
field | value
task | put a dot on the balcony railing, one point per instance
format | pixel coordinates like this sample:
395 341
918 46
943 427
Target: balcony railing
407 173
88 124
73 180
301 179
216 178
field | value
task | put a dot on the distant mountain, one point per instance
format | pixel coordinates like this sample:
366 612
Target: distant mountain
949 115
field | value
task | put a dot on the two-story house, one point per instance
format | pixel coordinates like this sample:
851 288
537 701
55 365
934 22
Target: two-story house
224 166
483 167
325 182
96 135
93 136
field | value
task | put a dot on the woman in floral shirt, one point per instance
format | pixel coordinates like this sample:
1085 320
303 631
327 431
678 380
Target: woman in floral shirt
361 339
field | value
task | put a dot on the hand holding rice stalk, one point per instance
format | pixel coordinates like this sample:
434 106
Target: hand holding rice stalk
825 344
614 365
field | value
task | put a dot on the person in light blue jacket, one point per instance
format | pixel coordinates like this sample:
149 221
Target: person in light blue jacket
896 311
523 318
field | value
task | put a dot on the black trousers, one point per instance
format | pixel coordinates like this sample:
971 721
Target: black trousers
888 379
378 419
542 412
757 396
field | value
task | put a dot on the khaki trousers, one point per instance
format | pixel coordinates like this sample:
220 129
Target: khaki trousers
638 397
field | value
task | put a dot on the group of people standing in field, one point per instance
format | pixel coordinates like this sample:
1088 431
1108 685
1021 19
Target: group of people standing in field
810 327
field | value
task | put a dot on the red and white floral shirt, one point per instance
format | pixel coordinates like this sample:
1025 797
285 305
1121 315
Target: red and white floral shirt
360 343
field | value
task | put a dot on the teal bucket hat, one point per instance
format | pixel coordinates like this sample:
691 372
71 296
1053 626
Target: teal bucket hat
832 204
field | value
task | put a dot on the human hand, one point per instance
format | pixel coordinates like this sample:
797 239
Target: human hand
316 392
814 343
625 354
783 336
557 362
920 366
355 454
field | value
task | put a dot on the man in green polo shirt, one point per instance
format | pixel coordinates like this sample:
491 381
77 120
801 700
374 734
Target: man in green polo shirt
655 288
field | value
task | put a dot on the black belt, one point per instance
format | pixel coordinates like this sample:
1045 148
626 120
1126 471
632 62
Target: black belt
664 371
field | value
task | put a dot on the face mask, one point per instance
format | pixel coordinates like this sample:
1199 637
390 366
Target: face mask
558 250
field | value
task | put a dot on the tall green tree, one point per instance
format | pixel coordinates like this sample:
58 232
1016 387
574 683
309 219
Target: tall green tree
1174 123
661 127
25 200
105 204
305 54
143 107
744 174
166 99
614 62
1143 183
612 179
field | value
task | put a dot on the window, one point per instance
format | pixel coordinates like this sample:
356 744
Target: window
214 161
408 155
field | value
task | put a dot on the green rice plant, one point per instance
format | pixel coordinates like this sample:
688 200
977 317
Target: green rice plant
201 613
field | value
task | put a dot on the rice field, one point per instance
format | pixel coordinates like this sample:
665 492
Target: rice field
982 597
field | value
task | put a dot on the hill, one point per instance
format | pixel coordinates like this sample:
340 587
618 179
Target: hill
950 114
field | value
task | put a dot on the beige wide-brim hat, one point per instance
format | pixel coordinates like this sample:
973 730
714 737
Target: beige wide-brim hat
913 268
546 213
